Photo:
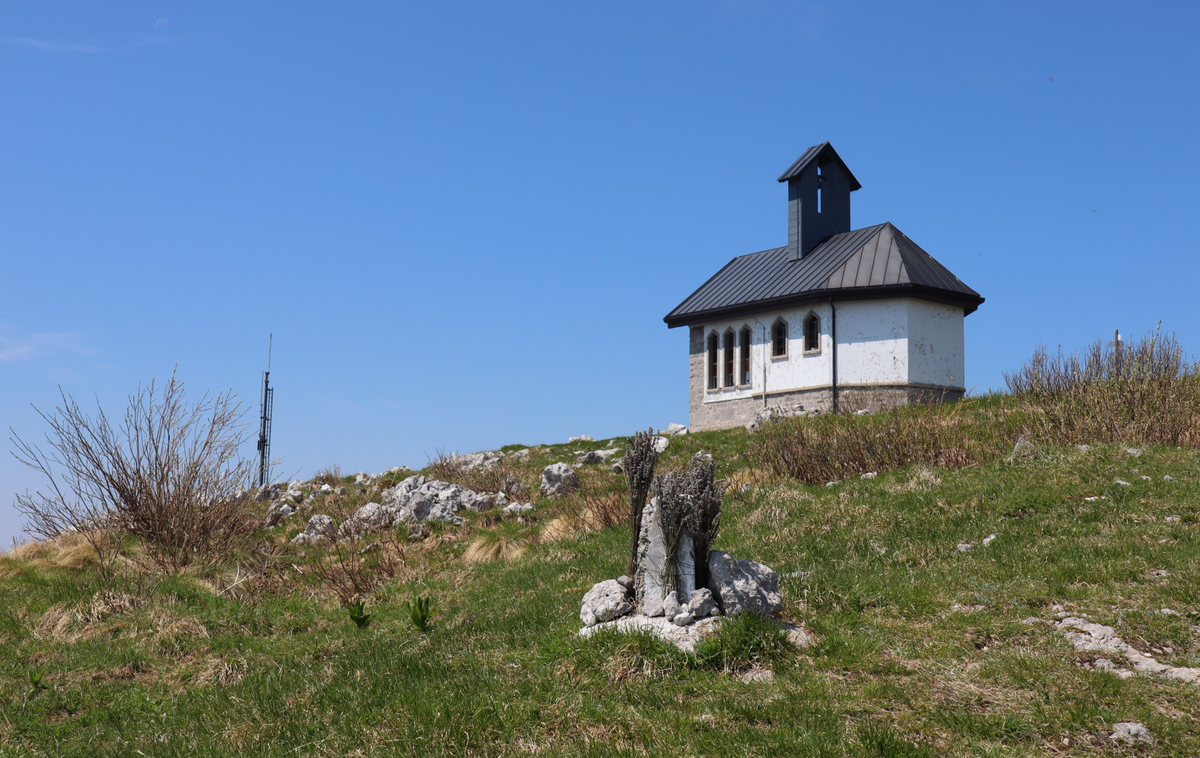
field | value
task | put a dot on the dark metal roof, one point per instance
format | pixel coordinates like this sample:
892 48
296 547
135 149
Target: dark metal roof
810 155
878 261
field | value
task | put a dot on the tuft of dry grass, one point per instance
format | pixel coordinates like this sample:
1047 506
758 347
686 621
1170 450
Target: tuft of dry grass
72 550
834 447
507 542
331 475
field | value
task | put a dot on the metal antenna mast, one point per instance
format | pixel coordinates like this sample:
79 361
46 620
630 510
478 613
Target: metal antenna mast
264 429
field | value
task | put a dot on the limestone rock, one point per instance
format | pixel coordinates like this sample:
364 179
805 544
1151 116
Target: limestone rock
625 582
675 430
757 676
486 460
660 444
605 601
279 511
683 618
1131 733
743 586
598 456
702 604
671 606
515 509
652 559
581 438
320 528
371 517
420 499
682 637
558 479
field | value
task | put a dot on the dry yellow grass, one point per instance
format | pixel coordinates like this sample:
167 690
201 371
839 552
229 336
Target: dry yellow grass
69 550
492 547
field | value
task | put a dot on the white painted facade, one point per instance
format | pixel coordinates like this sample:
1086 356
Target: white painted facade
883 343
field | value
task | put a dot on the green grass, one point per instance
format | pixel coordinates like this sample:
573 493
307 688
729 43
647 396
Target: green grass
869 566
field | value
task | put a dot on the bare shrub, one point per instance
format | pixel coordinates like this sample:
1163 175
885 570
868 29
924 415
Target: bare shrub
353 568
169 473
639 463
1146 392
820 449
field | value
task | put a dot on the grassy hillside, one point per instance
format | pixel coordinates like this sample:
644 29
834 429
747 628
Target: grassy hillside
259 657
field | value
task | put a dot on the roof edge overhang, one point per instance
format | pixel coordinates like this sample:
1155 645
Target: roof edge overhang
969 304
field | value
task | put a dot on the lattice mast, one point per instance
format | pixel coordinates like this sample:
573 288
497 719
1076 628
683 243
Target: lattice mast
264 430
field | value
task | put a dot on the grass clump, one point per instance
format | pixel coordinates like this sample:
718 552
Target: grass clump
744 642
506 541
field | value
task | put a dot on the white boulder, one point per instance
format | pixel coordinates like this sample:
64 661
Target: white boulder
558 479
605 601
320 529
743 586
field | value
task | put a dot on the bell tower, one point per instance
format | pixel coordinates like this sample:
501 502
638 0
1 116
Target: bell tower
819 187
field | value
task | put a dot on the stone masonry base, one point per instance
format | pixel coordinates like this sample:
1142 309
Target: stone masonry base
726 414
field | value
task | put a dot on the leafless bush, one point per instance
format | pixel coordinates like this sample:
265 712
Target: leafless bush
353 568
820 449
169 474
1147 391
639 463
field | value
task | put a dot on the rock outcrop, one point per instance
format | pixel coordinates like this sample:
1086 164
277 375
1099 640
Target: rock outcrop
320 529
743 586
558 479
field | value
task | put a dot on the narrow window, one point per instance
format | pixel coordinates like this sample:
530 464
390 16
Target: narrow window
779 339
820 188
745 356
812 333
730 358
712 361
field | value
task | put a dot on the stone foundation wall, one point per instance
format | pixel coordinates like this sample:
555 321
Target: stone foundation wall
730 413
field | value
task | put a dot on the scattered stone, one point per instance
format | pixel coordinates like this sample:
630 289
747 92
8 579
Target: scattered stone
326 489
757 676
743 586
987 540
1173 519
487 460
340 491
1131 733
269 492
296 496
957 608
1088 636
1159 573
1134 451
625 582
1168 478
862 412
1144 478
1167 612
1093 498
703 456
675 430
363 477
1083 448
558 479
598 456
660 444
702 604
1123 483
869 475
605 601
671 607
279 511
683 618
965 547
320 528
518 508
521 455
581 438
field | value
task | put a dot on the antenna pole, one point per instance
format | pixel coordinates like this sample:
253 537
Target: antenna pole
264 429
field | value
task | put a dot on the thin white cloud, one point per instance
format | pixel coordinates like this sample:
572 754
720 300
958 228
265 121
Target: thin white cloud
162 21
50 46
33 346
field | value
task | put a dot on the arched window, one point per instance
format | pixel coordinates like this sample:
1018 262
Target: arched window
744 373
779 339
730 357
812 333
712 361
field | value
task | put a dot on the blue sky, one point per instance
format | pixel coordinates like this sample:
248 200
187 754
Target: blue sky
464 222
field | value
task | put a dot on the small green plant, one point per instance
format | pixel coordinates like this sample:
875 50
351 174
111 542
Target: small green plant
35 680
359 615
420 610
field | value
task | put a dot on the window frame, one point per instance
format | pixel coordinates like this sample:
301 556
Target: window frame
776 352
712 362
812 318
746 342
